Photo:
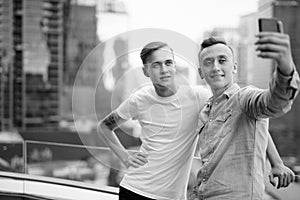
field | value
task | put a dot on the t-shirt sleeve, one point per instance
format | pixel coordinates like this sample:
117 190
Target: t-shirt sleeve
203 94
128 109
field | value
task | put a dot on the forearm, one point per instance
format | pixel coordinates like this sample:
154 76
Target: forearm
283 91
284 174
274 102
272 153
111 140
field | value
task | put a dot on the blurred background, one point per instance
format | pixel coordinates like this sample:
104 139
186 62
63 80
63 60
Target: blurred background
43 46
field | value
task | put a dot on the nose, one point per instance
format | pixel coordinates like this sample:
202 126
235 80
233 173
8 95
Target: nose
163 69
216 66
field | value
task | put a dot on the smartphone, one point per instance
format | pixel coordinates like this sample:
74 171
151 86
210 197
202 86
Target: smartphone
268 25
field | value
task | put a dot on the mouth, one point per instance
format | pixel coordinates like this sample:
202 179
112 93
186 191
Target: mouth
165 77
217 75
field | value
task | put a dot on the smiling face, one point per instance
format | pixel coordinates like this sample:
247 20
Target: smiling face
160 68
217 67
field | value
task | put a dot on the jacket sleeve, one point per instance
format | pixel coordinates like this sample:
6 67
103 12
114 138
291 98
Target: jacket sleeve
275 101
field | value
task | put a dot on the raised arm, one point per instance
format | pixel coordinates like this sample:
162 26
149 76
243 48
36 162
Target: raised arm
106 130
284 86
284 174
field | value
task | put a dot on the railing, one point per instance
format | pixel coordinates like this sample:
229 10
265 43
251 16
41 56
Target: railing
68 161
60 171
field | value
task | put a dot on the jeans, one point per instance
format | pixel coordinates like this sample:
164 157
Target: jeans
125 194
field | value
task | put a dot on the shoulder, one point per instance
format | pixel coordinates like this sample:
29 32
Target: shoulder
195 89
202 92
132 104
196 93
142 92
250 90
140 95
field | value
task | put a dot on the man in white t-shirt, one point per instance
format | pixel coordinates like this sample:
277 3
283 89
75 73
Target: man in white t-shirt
168 114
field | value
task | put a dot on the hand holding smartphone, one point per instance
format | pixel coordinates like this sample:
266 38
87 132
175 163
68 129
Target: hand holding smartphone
273 44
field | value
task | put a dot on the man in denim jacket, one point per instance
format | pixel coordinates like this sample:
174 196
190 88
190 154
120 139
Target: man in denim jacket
234 136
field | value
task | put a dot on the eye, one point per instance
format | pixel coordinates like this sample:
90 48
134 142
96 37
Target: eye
208 62
169 62
155 65
222 60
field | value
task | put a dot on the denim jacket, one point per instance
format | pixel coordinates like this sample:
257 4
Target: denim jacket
234 139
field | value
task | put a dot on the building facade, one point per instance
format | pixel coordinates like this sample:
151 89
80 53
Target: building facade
11 65
285 130
32 49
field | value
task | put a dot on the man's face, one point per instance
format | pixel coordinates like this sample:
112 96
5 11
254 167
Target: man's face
217 66
160 68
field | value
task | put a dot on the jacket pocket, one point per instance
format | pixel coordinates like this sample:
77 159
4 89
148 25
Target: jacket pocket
223 117
222 122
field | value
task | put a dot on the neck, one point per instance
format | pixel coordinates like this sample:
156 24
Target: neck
219 91
164 91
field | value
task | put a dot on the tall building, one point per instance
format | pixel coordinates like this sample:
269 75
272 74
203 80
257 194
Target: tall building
31 62
11 65
43 57
257 71
284 129
114 19
287 128
81 40
83 63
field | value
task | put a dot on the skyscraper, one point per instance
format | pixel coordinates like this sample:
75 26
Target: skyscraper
286 128
11 65
81 40
82 66
32 49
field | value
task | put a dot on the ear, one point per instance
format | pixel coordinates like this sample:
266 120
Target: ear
234 68
200 72
145 71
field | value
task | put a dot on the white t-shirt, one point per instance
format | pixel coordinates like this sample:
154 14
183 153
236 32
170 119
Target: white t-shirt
169 136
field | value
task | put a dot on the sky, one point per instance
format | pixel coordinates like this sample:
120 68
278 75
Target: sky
188 17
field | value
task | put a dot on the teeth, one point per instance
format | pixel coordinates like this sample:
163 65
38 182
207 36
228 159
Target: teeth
217 75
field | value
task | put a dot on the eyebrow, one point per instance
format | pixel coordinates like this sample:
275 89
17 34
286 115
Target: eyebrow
218 56
169 60
155 62
226 56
